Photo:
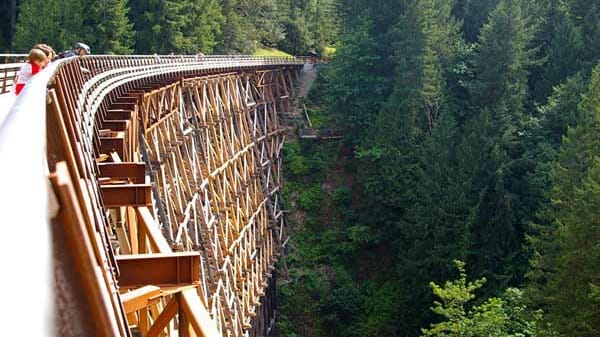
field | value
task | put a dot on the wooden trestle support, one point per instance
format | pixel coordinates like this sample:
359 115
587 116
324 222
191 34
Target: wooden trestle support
169 193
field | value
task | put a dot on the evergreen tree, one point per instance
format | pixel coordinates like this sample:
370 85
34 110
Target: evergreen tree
203 21
566 266
406 149
501 189
8 16
232 37
565 47
475 15
59 24
113 33
168 26
355 86
158 25
586 15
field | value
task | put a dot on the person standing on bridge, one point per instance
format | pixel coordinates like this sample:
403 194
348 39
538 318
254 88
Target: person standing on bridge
81 49
37 61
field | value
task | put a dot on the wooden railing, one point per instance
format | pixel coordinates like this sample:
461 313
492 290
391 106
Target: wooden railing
12 58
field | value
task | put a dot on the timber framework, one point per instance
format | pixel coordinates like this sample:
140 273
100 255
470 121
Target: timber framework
166 173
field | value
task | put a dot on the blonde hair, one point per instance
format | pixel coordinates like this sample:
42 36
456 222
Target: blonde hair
37 55
50 53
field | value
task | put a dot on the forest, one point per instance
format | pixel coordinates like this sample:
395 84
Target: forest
464 198
169 26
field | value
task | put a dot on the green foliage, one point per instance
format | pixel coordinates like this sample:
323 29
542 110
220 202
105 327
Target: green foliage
564 52
310 199
507 316
475 15
59 24
113 33
503 58
567 245
354 87
168 26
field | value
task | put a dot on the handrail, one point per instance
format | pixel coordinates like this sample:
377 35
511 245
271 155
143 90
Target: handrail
11 58
8 72
108 62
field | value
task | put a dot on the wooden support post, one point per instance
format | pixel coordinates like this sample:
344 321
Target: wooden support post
184 324
157 240
197 314
132 230
144 322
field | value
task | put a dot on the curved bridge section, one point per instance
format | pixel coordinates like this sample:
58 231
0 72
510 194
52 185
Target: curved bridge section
165 210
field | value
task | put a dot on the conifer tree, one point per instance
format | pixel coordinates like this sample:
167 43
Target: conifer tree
203 22
565 47
59 24
355 86
475 15
232 39
168 26
158 25
113 33
499 93
410 148
566 268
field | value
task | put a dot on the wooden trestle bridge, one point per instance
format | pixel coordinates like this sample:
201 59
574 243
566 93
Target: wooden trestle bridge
165 173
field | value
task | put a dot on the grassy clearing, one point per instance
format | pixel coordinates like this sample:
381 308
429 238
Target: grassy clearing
329 51
270 52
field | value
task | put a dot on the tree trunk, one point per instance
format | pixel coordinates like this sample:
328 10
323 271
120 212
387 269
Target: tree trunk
13 24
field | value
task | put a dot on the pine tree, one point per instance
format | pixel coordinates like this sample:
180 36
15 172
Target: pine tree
586 15
159 26
565 47
113 33
499 94
407 153
168 26
232 38
355 87
59 24
566 266
203 21
476 15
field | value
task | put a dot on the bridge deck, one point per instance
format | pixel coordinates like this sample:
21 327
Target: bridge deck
158 155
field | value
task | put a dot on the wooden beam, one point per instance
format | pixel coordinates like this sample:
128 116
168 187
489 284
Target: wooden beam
115 125
158 269
197 314
157 240
164 318
139 298
115 142
126 195
132 230
118 114
136 172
